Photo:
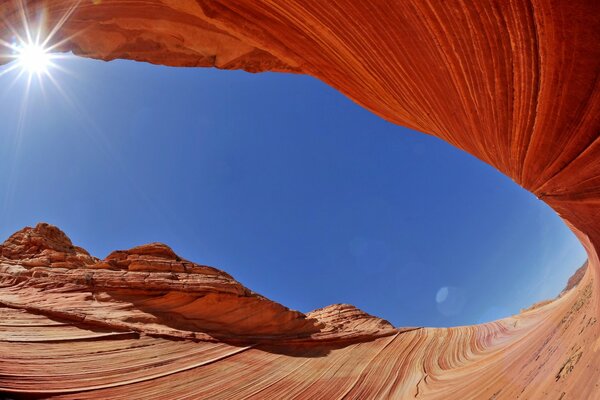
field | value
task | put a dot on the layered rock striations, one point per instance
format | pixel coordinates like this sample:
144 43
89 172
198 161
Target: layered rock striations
515 83
146 289
44 246
151 290
145 323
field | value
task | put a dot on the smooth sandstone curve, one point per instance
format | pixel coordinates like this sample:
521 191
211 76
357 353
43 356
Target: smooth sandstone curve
515 83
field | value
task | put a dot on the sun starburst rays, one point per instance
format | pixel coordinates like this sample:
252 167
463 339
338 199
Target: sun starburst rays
33 48
29 57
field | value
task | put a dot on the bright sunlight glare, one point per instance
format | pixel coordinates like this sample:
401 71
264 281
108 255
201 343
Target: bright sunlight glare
33 47
33 58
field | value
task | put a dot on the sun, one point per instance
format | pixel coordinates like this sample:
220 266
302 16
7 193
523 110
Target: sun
34 58
33 47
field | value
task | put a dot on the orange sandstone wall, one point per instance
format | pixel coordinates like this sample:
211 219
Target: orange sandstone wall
515 83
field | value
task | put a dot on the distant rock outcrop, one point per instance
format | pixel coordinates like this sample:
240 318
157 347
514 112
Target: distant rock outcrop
45 246
150 289
575 278
146 289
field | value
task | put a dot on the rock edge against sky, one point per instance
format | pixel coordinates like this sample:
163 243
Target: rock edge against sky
514 83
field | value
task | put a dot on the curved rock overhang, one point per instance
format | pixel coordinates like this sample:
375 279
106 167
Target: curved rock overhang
514 83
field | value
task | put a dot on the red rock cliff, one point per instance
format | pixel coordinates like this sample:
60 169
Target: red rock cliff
514 83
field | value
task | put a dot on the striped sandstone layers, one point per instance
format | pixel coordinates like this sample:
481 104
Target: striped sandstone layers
144 323
514 82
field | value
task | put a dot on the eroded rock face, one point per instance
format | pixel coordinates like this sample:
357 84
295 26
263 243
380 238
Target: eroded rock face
145 289
44 246
575 278
154 257
346 322
151 290
513 83
113 330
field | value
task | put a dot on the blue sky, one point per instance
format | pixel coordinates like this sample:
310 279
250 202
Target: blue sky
281 181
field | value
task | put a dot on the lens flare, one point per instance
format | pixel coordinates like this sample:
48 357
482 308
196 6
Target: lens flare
34 58
34 46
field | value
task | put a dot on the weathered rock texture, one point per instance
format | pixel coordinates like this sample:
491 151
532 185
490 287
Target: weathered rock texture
144 323
515 83
145 289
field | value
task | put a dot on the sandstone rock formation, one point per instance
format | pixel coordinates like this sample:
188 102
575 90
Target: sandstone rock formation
146 323
515 83
145 289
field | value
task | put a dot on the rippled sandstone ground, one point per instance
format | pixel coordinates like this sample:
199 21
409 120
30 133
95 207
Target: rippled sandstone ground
144 323
515 83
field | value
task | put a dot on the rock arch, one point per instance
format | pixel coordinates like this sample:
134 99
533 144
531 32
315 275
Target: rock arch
515 83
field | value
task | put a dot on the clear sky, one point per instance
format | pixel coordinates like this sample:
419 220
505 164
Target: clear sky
281 181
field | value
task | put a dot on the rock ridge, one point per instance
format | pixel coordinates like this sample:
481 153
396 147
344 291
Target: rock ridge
514 83
150 289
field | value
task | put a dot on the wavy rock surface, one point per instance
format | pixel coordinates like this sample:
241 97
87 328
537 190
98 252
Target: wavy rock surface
515 83
113 330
